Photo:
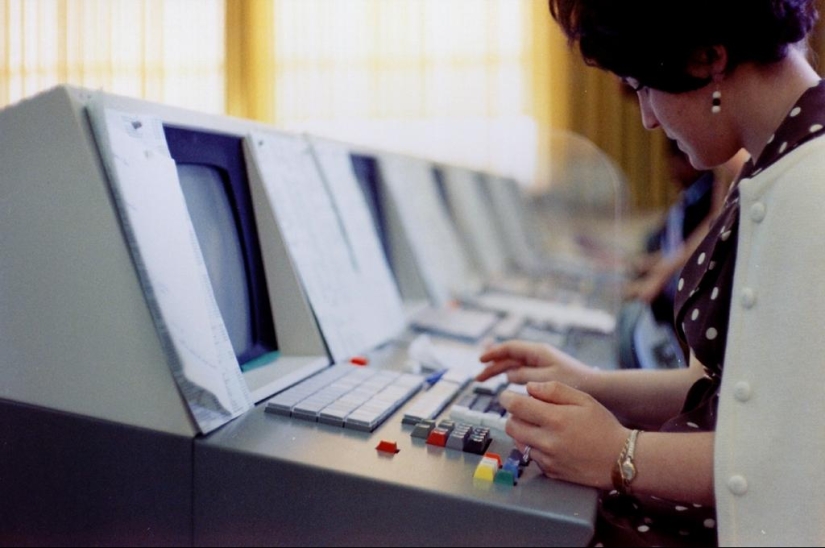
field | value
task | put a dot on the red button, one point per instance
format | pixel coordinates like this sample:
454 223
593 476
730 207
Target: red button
359 360
388 446
438 437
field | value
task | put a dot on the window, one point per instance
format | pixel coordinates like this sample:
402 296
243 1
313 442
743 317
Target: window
159 50
443 80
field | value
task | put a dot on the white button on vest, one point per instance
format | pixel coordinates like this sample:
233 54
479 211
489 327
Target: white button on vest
748 297
738 485
742 391
757 212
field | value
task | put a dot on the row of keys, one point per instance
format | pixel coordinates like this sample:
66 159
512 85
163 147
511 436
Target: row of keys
432 402
453 435
493 385
463 323
481 405
348 396
481 409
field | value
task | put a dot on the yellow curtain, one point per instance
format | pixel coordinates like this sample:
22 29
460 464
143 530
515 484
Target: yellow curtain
601 111
250 59
447 80
570 96
485 83
548 69
170 51
479 82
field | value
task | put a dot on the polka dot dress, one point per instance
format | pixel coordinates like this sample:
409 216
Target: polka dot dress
703 296
702 309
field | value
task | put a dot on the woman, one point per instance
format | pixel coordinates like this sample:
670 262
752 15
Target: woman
732 446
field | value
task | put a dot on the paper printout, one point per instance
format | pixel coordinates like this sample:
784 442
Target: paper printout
170 264
379 294
336 271
444 265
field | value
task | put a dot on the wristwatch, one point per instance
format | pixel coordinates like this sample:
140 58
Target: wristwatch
624 471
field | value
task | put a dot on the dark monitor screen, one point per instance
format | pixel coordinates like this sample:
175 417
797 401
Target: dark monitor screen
369 178
213 177
441 187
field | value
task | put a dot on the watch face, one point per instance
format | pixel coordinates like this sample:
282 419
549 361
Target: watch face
628 471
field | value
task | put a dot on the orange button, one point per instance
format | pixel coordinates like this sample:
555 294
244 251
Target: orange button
359 360
493 456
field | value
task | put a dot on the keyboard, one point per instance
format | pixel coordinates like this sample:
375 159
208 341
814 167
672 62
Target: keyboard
437 397
362 398
472 421
462 323
480 405
562 316
346 395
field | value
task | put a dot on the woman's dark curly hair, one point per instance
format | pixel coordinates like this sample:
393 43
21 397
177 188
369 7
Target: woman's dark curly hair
654 41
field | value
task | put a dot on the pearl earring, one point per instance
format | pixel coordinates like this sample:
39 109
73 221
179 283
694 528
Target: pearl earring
716 103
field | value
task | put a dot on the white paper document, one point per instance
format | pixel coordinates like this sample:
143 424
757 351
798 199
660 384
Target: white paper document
441 258
170 264
560 315
444 355
347 283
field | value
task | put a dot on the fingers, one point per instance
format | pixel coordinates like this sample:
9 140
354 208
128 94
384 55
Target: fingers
542 420
523 433
532 408
498 367
529 439
527 353
557 393
523 375
571 436
513 355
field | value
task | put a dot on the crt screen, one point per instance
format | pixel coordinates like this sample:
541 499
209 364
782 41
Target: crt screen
211 214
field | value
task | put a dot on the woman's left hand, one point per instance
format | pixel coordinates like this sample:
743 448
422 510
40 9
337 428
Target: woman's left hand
572 437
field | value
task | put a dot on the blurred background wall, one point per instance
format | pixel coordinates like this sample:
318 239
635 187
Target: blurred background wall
486 83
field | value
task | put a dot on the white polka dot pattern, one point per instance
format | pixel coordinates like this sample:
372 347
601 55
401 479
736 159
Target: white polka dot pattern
702 307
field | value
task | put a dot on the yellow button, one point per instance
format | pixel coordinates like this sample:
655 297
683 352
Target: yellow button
485 471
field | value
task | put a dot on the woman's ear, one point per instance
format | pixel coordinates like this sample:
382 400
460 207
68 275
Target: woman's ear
709 62
718 61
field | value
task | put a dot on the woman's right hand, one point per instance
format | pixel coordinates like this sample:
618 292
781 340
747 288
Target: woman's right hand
524 361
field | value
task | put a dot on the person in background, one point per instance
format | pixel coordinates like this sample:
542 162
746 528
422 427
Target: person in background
731 448
686 223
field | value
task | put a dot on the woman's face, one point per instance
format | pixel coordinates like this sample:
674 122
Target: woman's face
687 118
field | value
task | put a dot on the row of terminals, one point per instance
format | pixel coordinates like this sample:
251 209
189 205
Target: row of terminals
214 332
